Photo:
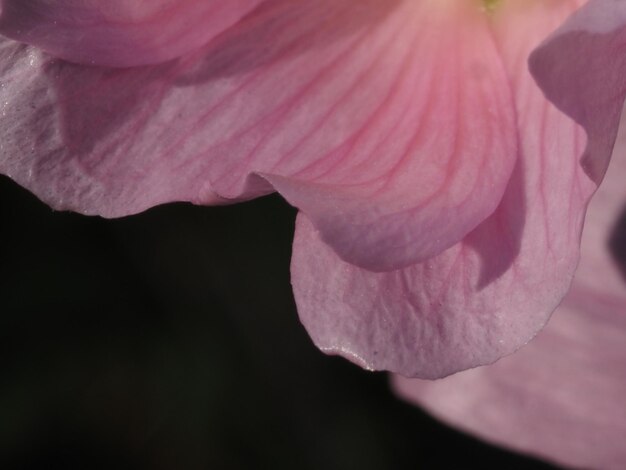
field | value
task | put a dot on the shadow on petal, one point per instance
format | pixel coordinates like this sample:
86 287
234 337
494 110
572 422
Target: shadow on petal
275 32
498 253
617 242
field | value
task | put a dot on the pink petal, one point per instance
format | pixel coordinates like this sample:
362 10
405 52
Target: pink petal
388 123
581 68
562 396
119 32
488 295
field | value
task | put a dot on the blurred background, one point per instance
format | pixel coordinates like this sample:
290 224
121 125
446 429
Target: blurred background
170 340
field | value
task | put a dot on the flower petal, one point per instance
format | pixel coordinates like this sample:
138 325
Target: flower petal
488 295
389 123
581 68
119 32
562 396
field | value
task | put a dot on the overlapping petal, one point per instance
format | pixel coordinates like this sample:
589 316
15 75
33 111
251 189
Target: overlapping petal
488 295
562 396
119 32
389 124
581 68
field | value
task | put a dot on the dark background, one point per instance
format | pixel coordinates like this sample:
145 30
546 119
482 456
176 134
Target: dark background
170 340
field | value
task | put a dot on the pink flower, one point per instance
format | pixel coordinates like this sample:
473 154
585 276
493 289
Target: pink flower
441 194
563 396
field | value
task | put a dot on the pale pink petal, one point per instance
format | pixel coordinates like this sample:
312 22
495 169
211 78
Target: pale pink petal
488 295
562 397
582 69
119 32
389 124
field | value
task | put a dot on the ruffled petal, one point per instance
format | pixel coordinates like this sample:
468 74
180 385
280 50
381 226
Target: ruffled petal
119 33
389 124
562 396
488 295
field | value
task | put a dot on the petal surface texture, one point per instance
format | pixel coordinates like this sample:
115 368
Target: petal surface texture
119 33
390 124
581 68
489 294
562 396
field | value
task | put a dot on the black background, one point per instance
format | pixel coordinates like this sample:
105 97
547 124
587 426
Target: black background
170 340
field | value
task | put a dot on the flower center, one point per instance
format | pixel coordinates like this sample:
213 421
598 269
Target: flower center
490 5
